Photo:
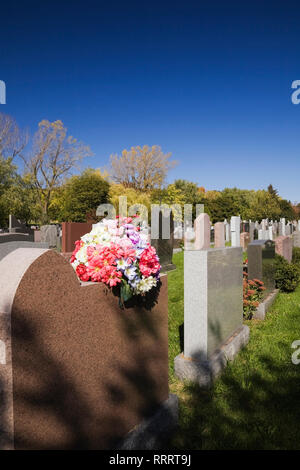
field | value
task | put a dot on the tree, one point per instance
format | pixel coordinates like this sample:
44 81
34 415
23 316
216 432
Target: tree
19 199
12 139
54 155
8 173
189 190
264 205
79 197
141 168
133 196
286 209
272 191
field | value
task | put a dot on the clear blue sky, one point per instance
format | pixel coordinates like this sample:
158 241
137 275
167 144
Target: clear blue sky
208 81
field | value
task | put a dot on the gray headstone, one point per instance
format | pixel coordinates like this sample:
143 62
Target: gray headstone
261 257
251 231
213 299
49 235
163 246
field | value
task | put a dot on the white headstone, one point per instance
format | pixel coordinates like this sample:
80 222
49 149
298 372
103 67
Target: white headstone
235 224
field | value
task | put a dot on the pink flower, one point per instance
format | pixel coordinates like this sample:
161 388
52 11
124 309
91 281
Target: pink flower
149 263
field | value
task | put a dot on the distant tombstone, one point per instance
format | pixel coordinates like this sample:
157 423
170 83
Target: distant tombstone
202 232
227 232
284 247
17 226
283 227
261 257
163 245
189 238
251 231
263 224
270 232
49 235
235 230
298 226
245 240
37 234
219 235
296 239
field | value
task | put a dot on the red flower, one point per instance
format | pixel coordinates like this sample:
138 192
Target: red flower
82 273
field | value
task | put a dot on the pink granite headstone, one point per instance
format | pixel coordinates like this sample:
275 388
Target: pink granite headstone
245 240
284 247
202 232
219 235
37 236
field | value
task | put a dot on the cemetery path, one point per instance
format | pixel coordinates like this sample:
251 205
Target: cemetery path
255 403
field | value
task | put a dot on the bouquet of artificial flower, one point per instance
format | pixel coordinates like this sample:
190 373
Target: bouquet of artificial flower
117 253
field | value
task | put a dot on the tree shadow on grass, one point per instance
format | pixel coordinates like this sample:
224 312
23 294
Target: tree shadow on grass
248 410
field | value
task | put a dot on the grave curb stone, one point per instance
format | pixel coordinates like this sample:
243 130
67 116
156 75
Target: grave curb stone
205 372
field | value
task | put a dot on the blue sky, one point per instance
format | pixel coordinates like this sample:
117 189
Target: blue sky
208 81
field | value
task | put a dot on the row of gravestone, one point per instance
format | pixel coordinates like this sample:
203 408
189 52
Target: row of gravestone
213 297
20 233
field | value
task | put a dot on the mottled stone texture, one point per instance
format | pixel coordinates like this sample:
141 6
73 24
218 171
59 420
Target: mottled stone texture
284 247
202 232
71 232
219 235
84 372
213 299
244 240
261 257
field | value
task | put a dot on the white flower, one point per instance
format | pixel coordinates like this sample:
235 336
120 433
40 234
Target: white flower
146 284
75 263
81 255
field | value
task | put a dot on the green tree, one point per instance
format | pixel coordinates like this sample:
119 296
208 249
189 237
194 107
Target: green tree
79 197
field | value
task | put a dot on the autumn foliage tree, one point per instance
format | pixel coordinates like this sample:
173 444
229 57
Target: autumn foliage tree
141 168
54 155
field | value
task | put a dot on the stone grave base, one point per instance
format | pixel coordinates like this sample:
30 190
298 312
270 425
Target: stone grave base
204 372
265 305
153 432
167 267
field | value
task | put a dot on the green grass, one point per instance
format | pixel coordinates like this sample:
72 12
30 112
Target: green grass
255 404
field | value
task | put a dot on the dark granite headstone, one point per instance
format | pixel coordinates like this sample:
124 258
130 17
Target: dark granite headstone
261 257
17 226
164 247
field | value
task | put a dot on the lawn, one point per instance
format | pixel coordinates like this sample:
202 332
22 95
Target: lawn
255 404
